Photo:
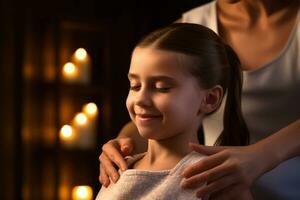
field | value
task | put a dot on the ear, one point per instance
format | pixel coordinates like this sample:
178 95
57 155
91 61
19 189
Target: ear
212 99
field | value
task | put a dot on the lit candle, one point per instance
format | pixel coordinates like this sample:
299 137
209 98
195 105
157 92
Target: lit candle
70 72
68 136
90 109
81 54
82 192
85 131
89 138
82 60
81 119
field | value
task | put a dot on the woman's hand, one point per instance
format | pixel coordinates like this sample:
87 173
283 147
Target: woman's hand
227 171
112 159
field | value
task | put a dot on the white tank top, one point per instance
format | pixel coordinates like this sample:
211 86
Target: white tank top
270 101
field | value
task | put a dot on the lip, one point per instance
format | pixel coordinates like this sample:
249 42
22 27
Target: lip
145 119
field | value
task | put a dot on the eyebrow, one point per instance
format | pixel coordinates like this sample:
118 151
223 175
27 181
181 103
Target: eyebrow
155 78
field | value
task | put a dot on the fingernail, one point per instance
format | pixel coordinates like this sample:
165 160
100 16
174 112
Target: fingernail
126 148
114 178
182 174
105 184
183 184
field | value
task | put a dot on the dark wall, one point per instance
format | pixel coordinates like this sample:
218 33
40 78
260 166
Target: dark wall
10 93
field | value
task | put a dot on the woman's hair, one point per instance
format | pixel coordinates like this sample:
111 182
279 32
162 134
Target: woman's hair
213 63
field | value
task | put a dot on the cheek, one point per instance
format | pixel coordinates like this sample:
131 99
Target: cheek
164 104
184 106
129 103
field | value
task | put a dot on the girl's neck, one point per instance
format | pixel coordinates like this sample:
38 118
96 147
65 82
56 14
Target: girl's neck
165 154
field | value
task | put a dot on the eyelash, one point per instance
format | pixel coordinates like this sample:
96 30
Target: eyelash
134 88
162 89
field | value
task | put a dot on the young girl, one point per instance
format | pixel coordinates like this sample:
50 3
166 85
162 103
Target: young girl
177 75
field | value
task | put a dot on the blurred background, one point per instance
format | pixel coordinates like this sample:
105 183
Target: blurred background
63 84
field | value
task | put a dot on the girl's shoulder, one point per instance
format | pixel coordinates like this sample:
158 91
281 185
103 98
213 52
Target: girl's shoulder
189 159
130 160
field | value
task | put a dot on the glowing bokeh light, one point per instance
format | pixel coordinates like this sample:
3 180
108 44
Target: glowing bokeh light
81 54
66 132
90 109
81 119
82 192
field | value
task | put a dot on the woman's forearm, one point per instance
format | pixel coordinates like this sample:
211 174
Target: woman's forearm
130 131
282 145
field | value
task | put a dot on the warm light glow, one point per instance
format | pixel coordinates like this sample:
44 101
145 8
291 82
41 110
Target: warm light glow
69 70
90 109
66 132
81 119
80 54
82 192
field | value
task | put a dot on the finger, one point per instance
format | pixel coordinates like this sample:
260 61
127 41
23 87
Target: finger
207 150
104 179
109 168
126 146
203 165
216 186
207 176
112 151
100 179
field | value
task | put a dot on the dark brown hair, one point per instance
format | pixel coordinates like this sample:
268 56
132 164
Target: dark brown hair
214 63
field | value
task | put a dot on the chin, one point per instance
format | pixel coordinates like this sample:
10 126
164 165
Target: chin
147 135
150 135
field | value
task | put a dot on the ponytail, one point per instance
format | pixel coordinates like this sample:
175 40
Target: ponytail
235 131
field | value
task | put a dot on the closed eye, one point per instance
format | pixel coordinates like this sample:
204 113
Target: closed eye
135 87
163 89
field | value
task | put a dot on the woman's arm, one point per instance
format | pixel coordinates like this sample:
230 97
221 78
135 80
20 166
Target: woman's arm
285 143
128 142
227 169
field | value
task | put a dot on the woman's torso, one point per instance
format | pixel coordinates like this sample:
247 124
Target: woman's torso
270 97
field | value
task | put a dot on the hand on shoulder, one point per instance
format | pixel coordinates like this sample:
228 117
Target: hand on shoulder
112 157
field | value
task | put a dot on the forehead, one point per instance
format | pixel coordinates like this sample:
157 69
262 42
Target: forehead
152 61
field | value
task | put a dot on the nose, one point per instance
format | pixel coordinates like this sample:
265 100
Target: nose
143 98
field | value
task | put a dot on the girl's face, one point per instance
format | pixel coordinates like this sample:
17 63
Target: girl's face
164 98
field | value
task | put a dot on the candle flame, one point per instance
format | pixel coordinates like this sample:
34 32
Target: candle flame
81 119
90 109
66 132
82 192
81 54
69 68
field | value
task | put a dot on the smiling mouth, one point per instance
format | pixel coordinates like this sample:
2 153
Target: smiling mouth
144 118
